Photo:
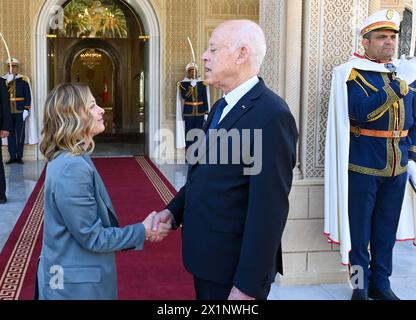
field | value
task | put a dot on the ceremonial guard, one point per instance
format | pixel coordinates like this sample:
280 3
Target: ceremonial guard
20 102
371 136
192 105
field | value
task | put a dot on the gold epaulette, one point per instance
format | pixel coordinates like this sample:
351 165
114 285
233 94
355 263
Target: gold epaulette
204 83
353 75
25 78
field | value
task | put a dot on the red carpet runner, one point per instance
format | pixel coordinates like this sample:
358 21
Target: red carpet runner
136 187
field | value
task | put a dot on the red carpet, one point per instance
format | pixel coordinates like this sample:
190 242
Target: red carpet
136 188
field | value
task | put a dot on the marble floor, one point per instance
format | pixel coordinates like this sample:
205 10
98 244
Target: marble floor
21 180
403 281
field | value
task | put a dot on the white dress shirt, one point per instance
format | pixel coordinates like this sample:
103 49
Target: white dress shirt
235 95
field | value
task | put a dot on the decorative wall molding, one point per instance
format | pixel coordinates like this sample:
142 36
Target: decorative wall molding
18 31
181 16
273 21
220 9
373 6
330 38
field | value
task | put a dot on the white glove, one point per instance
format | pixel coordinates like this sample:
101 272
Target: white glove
10 77
411 171
406 70
25 114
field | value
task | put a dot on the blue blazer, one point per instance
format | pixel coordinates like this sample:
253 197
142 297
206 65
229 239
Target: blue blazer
81 233
233 223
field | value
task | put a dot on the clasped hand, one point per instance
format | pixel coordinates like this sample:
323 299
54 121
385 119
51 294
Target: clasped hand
406 70
156 232
25 114
411 171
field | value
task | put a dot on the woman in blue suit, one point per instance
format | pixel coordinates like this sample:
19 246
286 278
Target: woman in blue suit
81 232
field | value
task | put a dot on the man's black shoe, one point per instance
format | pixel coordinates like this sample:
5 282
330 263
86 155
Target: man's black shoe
11 161
3 200
19 161
387 294
359 294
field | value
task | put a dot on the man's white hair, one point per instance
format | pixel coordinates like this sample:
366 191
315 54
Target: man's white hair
250 34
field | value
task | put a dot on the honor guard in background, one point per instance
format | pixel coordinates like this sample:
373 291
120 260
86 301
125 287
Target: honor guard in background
20 102
370 145
192 104
5 127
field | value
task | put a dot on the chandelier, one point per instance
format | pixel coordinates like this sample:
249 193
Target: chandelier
90 58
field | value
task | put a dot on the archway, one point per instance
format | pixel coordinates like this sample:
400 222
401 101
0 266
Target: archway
48 17
124 116
103 80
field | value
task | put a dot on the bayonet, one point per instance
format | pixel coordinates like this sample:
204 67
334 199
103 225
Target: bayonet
8 52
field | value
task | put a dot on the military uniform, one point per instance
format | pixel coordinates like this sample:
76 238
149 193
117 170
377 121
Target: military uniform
195 104
371 135
20 100
192 106
382 139
5 125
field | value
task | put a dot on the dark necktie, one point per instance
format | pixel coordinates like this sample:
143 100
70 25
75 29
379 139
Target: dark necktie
221 104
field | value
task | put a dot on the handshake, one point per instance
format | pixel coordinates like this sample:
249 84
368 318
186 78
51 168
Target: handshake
158 225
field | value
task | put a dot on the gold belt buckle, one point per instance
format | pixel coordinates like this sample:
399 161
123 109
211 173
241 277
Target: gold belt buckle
396 134
357 132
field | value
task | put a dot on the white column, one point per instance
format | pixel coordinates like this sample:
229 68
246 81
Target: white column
293 68
292 90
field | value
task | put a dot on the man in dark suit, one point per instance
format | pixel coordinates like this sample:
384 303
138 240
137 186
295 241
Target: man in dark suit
233 219
5 126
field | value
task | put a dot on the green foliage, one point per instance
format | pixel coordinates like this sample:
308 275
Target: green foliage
94 19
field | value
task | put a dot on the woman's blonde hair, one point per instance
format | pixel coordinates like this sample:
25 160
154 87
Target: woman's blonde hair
63 127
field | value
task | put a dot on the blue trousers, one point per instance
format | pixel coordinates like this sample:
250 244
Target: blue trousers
208 290
16 139
195 122
374 206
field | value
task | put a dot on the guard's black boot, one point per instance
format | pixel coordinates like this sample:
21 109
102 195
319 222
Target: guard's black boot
359 294
387 294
